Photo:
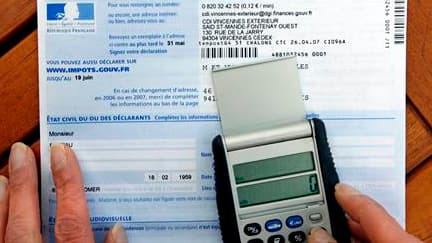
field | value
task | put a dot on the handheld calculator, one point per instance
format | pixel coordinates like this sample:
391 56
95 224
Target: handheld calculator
274 170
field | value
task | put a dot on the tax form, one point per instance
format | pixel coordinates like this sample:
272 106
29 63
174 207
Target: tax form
127 85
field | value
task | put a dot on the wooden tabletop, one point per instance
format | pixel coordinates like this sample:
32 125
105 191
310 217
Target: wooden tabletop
20 109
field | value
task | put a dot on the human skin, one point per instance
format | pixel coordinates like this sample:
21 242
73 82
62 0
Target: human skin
368 221
19 200
20 216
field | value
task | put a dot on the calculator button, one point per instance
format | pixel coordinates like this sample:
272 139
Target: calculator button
294 221
273 225
276 239
297 237
315 217
256 241
252 229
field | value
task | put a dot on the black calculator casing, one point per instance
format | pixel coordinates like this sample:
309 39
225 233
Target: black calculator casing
224 195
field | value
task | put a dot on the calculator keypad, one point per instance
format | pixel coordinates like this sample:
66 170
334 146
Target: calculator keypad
276 239
315 217
256 241
273 225
252 229
284 227
297 237
294 221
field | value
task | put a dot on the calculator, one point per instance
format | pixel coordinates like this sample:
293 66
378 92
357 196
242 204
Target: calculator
274 170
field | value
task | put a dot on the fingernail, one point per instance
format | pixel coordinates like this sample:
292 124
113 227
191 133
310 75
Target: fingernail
119 233
58 156
319 235
18 156
345 189
3 187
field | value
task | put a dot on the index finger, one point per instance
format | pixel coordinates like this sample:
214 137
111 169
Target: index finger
72 218
375 222
24 219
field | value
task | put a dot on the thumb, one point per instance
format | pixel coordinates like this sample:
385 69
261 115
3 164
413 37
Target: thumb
117 234
319 235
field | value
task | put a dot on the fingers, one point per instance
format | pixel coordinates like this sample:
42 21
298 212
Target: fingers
24 219
371 218
356 230
319 235
72 218
117 234
4 205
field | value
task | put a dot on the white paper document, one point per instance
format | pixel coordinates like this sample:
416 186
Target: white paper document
126 84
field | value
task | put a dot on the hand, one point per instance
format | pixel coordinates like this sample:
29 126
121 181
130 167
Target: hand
367 220
19 202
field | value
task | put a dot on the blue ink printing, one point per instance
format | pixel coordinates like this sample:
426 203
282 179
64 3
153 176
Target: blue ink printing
70 11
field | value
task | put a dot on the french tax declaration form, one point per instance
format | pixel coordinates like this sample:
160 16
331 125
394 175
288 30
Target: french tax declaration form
126 84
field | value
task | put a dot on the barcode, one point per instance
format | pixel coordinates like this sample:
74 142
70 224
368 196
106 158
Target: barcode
399 22
229 52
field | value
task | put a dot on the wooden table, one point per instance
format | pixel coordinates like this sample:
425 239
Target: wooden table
20 110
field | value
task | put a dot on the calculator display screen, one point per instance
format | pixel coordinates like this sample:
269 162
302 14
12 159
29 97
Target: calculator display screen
278 190
273 167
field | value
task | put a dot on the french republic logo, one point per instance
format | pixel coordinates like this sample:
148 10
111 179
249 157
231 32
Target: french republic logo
71 17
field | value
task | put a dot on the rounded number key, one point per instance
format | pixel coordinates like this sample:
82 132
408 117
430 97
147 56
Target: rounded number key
276 239
255 241
297 237
252 229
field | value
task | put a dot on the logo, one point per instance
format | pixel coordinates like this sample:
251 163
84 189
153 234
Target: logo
71 17
70 11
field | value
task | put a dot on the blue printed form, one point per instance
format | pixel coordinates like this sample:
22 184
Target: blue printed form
127 85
